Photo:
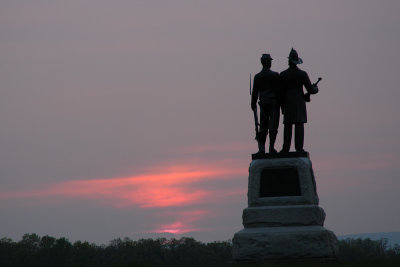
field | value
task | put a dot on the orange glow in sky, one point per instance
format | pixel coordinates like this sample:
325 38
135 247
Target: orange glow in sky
165 187
173 185
184 222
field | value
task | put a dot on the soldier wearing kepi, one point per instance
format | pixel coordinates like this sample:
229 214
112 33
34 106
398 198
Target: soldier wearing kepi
294 101
266 89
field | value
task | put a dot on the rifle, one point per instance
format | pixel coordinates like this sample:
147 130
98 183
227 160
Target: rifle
255 113
307 97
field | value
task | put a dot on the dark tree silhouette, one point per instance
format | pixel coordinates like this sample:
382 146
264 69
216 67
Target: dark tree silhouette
33 250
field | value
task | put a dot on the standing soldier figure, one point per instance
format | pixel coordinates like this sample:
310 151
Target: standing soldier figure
294 101
266 89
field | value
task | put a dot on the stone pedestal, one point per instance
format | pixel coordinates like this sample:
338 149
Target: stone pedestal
283 220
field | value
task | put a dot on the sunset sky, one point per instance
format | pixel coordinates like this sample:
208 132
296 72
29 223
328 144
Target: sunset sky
132 118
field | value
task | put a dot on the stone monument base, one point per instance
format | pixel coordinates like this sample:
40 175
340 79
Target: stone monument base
283 221
289 243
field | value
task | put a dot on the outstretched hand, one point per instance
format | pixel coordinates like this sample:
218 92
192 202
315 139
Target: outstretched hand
307 97
316 89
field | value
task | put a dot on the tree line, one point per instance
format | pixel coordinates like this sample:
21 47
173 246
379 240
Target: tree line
33 250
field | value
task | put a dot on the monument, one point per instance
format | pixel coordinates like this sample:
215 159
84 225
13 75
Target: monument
283 221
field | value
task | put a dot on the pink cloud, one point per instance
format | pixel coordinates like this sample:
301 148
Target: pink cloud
168 186
164 186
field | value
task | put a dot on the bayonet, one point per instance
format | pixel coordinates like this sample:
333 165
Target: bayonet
250 83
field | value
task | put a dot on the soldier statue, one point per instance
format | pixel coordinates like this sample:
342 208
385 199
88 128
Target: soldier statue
266 89
294 101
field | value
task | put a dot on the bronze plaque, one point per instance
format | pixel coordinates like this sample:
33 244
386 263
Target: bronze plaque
279 183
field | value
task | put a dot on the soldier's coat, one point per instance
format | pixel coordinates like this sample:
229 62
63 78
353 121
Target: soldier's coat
292 81
266 87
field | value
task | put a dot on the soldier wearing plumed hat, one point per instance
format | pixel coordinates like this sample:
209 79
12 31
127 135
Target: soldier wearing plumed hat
294 101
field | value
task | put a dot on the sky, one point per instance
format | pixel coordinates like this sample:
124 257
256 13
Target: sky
132 118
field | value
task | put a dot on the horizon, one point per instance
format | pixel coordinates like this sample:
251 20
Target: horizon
393 237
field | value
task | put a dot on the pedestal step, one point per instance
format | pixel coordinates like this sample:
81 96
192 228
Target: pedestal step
299 215
273 243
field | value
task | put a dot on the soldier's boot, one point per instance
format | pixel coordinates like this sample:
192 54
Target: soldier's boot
287 138
299 137
272 138
261 143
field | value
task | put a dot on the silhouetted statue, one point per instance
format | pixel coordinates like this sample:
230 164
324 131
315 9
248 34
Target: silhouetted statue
294 101
266 89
